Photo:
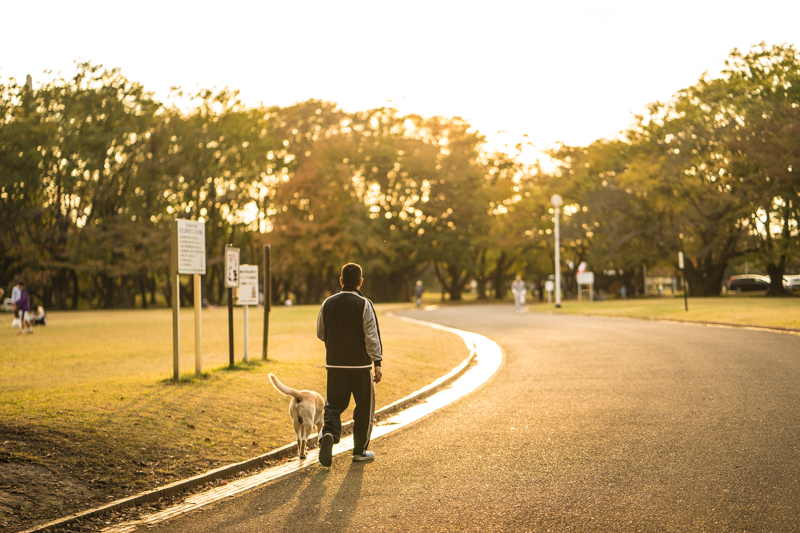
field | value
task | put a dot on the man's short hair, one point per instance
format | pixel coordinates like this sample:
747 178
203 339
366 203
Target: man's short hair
351 275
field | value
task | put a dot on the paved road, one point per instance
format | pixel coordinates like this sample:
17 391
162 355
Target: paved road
592 424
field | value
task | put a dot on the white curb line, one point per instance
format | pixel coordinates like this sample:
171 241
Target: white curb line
487 357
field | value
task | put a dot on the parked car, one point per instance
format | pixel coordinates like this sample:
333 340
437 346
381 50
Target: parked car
791 283
8 305
748 282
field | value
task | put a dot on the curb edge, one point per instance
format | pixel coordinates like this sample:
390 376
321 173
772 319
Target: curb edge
254 463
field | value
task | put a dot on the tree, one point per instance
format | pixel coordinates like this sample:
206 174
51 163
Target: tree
69 155
457 206
762 89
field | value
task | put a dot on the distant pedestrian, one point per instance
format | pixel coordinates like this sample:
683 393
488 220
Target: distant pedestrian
418 290
16 292
24 306
349 326
518 288
623 292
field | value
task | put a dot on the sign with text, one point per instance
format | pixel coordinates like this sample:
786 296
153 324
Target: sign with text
585 278
191 247
549 285
248 285
231 267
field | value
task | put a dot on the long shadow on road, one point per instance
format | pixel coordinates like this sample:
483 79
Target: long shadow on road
592 424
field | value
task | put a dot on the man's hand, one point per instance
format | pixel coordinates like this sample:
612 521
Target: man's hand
378 375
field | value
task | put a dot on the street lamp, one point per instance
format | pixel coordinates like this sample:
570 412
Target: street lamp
557 201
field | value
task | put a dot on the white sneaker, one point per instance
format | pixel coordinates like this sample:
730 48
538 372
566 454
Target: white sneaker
364 457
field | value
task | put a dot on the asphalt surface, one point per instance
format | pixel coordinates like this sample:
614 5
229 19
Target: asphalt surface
591 424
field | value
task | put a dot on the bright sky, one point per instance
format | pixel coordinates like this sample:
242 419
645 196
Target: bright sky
569 71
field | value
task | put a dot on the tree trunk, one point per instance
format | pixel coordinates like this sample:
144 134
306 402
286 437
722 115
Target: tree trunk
452 280
57 299
143 290
775 272
168 288
499 276
705 280
107 288
76 289
481 278
482 288
152 286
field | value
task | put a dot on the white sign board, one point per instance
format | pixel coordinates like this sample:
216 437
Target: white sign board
248 285
191 247
549 285
231 267
585 278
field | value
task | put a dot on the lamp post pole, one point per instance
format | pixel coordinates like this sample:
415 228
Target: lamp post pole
557 201
683 277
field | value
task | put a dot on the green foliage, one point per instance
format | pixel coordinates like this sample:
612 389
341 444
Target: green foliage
93 170
709 173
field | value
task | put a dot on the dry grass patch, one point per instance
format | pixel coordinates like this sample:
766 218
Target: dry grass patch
90 396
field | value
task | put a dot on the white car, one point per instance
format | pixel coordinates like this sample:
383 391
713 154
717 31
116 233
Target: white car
8 305
791 283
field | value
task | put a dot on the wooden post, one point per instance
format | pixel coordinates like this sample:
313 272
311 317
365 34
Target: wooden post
267 299
246 332
685 292
198 326
176 306
230 325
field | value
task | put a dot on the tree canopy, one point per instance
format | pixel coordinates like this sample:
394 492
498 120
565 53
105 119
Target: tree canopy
93 169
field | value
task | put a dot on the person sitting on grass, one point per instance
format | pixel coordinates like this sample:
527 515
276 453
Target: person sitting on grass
40 318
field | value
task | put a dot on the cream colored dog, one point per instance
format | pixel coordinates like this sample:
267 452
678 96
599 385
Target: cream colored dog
306 408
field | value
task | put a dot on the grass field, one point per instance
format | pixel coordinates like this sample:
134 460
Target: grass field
89 412
752 310
90 395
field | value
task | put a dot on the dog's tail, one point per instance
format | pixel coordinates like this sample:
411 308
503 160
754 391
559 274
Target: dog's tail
283 389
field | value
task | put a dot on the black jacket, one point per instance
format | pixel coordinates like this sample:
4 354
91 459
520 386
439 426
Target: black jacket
349 326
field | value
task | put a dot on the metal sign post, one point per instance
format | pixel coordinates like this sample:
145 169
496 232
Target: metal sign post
557 201
231 282
267 298
586 278
247 295
188 257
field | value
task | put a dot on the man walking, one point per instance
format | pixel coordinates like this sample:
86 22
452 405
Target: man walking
348 325
16 294
419 288
518 289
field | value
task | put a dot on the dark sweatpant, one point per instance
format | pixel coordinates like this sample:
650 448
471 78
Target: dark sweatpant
342 382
